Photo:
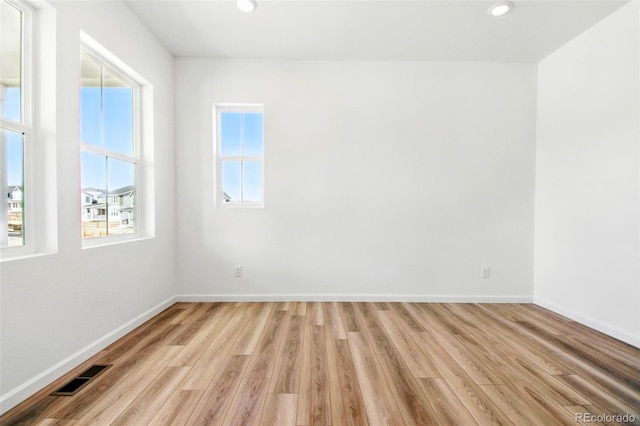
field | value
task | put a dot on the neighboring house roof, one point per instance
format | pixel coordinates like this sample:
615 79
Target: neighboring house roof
12 188
92 191
122 191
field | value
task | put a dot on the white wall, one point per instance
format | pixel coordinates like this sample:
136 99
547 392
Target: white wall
587 257
397 179
56 309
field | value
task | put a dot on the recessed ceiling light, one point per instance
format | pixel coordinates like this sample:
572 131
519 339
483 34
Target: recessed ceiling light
247 5
500 8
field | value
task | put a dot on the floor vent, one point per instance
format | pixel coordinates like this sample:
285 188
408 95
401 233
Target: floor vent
81 380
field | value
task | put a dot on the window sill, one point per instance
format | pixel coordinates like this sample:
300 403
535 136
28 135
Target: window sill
22 256
111 241
240 206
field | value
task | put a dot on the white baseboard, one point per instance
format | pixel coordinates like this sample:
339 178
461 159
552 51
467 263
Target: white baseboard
590 322
325 297
35 384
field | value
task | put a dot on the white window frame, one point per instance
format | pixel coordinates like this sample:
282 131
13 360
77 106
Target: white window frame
218 109
24 127
114 66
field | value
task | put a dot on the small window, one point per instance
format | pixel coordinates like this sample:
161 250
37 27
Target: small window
240 155
15 126
110 149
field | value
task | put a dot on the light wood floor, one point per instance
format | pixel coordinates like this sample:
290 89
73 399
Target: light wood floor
350 363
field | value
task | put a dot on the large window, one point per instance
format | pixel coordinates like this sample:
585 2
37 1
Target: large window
110 149
240 155
15 124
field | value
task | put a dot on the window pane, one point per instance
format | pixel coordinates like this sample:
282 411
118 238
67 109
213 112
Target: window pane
231 133
11 62
253 134
90 102
117 106
13 232
122 194
94 195
231 181
252 182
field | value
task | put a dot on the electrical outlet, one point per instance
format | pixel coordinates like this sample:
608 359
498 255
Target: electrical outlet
485 272
238 270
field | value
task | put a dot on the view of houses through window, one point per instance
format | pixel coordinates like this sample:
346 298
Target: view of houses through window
13 215
13 124
109 153
240 158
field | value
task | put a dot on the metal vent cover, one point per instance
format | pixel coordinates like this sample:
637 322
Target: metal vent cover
80 381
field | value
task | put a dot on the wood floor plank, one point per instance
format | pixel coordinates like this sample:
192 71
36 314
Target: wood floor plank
201 374
314 403
446 407
347 309
407 317
31 411
283 306
304 390
496 313
380 406
193 323
521 374
147 404
199 344
264 358
250 337
299 309
599 379
286 374
543 360
601 396
347 406
404 387
247 406
525 373
153 333
333 320
475 345
124 364
115 400
371 326
520 369
534 317
543 403
348 363
213 406
612 367
481 372
177 408
415 358
57 422
185 312
608 347
279 410
479 404
514 407
314 314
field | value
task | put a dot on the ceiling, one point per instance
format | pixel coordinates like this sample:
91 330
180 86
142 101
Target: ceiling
423 30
